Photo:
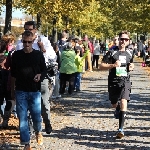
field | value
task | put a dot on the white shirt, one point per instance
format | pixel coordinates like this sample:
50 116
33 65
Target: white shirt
96 49
49 54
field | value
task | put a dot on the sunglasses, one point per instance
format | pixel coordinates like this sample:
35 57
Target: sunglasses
26 41
124 39
28 29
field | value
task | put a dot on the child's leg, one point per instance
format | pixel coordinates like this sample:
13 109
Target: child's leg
71 78
62 83
78 81
75 81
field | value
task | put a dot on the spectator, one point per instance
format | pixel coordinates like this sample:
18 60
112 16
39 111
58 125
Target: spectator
88 46
5 89
79 64
68 67
96 54
28 69
62 42
140 48
57 82
41 43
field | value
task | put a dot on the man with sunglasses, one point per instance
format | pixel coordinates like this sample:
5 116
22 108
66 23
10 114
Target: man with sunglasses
41 43
119 63
28 69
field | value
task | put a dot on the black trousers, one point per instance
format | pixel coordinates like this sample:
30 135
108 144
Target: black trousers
5 92
66 77
95 58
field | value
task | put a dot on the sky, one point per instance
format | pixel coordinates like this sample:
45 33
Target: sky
15 14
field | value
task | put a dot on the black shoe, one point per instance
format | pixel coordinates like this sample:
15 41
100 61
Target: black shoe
48 128
78 90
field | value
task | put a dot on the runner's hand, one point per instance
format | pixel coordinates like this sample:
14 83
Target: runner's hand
118 63
131 67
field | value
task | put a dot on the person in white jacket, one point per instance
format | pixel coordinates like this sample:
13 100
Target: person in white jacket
96 54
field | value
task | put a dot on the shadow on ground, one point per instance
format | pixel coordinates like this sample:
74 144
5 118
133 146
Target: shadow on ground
100 139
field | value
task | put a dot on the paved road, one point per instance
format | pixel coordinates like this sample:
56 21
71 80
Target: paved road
86 122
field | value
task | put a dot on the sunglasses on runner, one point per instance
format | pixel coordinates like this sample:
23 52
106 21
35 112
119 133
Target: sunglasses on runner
27 41
124 39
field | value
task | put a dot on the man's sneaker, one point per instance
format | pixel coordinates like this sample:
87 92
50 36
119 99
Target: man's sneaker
39 138
78 90
48 128
59 96
53 97
120 134
116 114
27 147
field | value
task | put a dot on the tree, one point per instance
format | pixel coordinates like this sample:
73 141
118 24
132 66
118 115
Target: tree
94 17
17 31
8 16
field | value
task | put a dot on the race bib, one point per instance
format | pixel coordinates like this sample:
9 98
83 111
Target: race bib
121 71
122 59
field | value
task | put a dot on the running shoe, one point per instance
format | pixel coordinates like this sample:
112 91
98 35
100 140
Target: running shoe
120 134
48 128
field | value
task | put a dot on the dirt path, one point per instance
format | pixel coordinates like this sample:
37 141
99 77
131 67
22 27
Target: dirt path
86 122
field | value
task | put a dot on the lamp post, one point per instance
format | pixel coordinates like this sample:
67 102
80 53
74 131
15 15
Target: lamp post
54 29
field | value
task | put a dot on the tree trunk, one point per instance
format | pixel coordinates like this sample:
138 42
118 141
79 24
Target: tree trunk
8 16
38 21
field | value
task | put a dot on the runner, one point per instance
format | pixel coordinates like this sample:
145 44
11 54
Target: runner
119 63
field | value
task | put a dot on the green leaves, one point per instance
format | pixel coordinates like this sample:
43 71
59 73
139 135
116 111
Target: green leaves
94 17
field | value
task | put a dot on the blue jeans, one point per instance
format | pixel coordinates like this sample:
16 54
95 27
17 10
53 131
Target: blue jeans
28 101
77 80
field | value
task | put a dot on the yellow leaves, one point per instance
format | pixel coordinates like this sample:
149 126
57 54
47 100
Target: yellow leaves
93 14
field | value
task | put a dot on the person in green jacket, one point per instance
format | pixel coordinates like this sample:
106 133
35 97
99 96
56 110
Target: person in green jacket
79 64
67 67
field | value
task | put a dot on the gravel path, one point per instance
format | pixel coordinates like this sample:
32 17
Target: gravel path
86 122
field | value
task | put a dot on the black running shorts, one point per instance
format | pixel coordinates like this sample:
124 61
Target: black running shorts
118 92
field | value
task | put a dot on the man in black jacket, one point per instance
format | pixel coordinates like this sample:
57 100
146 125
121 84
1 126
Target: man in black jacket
28 69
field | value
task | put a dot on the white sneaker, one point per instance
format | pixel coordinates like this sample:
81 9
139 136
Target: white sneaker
59 96
53 97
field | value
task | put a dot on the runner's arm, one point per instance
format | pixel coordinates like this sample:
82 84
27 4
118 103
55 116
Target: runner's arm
106 66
